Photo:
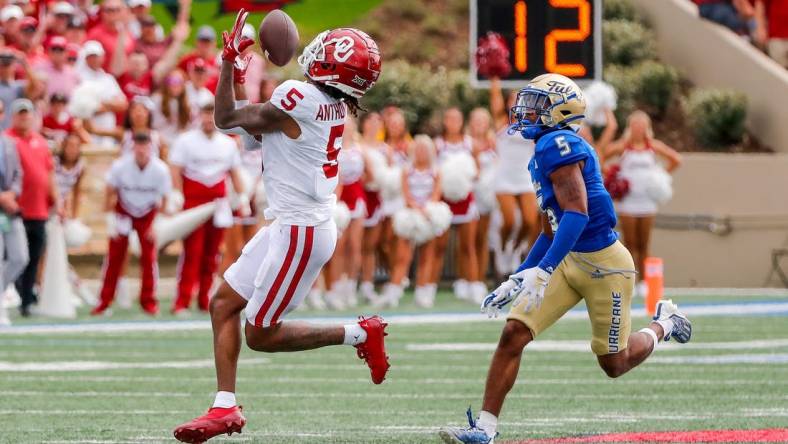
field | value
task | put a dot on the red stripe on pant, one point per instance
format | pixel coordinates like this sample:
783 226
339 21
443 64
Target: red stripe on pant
116 256
302 263
280 277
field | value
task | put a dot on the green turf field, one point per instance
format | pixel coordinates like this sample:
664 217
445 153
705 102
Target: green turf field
134 387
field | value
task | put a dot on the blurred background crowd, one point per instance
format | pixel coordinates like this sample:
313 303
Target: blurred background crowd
78 76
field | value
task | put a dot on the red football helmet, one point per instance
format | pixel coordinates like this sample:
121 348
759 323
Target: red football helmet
344 58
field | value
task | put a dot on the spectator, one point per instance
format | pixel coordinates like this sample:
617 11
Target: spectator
111 31
197 83
137 79
75 31
11 88
10 20
39 192
58 123
733 14
69 169
113 100
139 119
29 44
772 30
638 154
205 50
201 161
56 24
13 243
136 187
139 9
55 72
173 108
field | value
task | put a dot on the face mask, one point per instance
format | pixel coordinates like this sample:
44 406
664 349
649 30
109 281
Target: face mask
532 132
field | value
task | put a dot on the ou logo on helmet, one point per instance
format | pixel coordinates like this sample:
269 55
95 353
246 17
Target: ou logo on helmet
343 48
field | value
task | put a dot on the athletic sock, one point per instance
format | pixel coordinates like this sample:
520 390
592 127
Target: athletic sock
224 400
487 422
653 336
354 335
667 326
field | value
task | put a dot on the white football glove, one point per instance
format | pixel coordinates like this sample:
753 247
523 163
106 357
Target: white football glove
495 301
532 287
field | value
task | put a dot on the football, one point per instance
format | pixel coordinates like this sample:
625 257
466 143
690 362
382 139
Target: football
278 37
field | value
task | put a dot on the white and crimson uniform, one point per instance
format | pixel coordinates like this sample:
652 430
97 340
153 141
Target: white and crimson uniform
139 193
205 162
351 171
465 210
279 265
421 184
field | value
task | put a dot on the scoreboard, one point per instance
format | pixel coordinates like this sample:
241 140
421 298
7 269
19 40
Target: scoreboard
558 36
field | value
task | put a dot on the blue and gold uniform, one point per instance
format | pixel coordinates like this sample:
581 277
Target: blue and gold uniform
598 269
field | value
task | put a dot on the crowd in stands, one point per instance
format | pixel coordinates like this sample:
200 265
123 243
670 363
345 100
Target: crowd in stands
77 75
764 22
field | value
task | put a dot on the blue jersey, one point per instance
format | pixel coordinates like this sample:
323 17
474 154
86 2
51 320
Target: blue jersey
564 147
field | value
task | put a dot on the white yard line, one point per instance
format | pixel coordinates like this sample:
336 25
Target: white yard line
583 346
765 358
764 308
71 366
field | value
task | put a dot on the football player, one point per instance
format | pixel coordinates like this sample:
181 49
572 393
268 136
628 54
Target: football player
301 127
576 257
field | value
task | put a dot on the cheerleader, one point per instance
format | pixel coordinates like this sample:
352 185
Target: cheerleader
398 139
483 141
513 188
638 154
420 186
69 169
465 213
371 125
345 263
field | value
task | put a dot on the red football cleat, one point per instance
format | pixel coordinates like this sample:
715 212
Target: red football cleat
373 350
217 421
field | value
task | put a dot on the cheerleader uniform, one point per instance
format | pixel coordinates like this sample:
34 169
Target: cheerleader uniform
66 179
399 159
636 165
512 176
463 211
421 183
351 172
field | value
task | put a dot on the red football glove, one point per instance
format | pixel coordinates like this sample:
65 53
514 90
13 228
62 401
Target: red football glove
492 56
239 70
234 42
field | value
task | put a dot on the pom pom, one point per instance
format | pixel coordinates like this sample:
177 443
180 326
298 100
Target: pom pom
439 215
457 174
341 216
85 100
659 185
484 191
412 225
76 233
600 97
492 56
378 168
390 180
616 185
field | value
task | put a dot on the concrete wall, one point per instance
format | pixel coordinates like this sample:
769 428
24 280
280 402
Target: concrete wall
712 56
750 190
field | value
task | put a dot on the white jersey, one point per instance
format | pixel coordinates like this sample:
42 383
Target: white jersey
205 159
421 184
300 175
139 190
446 149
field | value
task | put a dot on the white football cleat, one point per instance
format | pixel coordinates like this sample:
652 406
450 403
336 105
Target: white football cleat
682 327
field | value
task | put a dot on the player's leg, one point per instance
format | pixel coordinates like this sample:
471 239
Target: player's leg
520 329
209 262
189 267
